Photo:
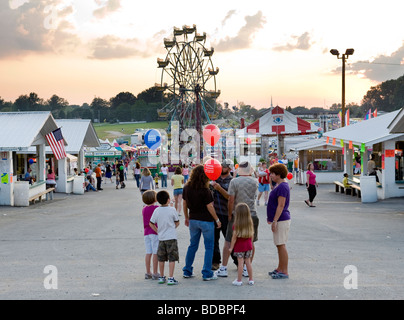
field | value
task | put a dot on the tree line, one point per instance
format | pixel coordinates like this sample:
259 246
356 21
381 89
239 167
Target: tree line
125 106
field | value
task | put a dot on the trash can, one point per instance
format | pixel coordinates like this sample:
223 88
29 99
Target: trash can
368 189
78 185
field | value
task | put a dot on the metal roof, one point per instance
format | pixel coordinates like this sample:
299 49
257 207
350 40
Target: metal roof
369 132
78 132
397 125
20 130
316 144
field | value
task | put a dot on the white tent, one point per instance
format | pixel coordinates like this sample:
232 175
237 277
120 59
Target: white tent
281 122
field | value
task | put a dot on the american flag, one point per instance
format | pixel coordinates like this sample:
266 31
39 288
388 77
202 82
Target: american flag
56 142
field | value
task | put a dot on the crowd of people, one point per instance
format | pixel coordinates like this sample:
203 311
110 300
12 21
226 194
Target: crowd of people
227 206
104 171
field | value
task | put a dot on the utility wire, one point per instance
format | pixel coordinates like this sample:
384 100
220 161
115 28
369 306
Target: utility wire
384 63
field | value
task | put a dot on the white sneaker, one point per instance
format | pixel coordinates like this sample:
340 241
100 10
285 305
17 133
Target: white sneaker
245 272
237 283
172 281
222 272
213 277
251 282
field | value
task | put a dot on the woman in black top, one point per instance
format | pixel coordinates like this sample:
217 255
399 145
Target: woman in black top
201 218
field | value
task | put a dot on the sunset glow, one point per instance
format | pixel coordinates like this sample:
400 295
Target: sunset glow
97 48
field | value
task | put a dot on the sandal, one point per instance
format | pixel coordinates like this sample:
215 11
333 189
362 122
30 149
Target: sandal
305 201
312 206
280 275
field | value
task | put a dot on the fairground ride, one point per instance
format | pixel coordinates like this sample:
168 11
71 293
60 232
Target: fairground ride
188 77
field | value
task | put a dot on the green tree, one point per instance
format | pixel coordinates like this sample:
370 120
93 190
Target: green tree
150 95
124 112
100 108
386 96
123 97
57 103
29 102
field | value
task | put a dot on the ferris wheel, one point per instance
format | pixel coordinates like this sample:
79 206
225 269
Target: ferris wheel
189 77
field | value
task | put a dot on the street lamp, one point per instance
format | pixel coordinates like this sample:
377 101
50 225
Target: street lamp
348 52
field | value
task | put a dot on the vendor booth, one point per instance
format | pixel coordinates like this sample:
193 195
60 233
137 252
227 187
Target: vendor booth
328 160
23 178
105 151
81 135
373 139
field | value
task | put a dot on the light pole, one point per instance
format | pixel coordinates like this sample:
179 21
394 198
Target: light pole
344 56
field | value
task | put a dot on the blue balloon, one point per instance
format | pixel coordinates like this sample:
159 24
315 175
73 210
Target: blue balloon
152 139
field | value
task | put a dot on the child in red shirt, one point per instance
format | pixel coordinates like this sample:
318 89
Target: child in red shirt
241 242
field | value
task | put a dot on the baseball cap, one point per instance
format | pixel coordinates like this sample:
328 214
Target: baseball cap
227 163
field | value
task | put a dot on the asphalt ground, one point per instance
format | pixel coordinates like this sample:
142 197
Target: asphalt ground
92 248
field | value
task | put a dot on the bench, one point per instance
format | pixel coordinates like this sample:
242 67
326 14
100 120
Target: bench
340 186
356 190
47 192
355 180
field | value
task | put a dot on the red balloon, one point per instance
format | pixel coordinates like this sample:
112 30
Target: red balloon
290 176
213 169
248 140
211 134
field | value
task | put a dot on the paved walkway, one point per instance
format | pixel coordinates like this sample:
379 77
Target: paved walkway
95 241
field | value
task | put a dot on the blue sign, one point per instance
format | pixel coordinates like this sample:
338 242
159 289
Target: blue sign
152 139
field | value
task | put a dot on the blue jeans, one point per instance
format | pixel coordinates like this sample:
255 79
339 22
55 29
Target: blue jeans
164 180
207 229
137 178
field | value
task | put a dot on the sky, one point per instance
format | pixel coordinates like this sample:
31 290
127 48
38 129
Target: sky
279 50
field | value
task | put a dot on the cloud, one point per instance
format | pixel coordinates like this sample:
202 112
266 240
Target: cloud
113 47
34 26
299 43
382 68
245 36
228 16
107 7
15 4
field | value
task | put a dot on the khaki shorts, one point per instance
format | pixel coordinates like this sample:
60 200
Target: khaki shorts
168 251
282 233
229 231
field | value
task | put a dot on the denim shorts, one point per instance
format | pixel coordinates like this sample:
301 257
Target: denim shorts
263 187
177 192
